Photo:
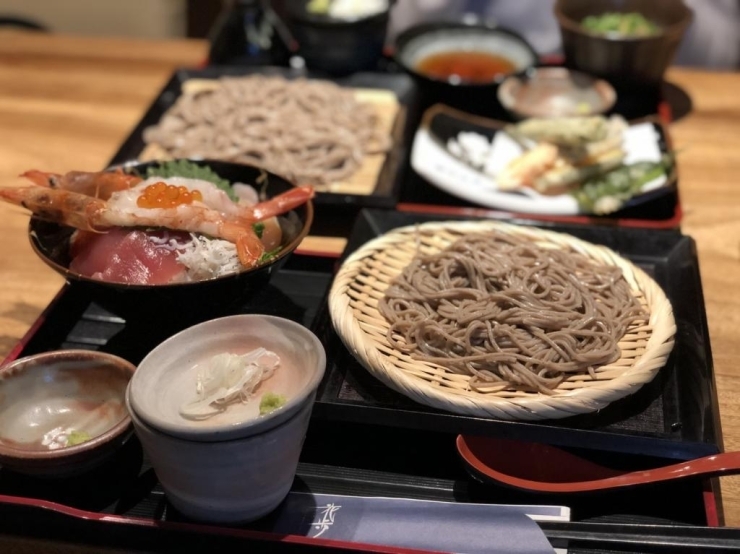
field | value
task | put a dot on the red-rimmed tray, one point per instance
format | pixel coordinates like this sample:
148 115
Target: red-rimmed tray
122 505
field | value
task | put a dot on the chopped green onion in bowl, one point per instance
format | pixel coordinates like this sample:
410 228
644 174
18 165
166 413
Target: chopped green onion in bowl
632 25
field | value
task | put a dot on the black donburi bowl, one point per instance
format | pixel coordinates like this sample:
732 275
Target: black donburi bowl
192 301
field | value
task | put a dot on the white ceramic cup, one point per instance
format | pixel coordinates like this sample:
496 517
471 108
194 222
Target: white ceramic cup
230 468
232 481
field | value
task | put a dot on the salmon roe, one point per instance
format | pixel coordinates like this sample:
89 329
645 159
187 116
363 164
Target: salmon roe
162 195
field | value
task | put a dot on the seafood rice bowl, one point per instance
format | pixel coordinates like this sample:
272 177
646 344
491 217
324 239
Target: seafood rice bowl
188 236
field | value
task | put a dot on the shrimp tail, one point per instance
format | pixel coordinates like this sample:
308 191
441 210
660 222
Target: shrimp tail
58 206
249 248
279 204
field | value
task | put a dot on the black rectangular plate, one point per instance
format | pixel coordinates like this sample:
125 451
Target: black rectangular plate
674 416
329 219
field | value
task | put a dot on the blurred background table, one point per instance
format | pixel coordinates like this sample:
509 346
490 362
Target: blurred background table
68 102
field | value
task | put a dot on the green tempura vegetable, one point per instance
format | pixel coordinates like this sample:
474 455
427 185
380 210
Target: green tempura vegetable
631 24
190 170
271 402
77 437
608 192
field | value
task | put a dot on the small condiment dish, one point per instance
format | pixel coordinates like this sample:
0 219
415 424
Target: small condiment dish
238 464
555 92
62 412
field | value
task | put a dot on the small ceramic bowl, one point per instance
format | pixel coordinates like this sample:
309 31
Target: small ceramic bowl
555 92
62 412
236 465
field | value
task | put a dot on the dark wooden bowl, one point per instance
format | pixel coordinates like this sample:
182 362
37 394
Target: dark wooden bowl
625 61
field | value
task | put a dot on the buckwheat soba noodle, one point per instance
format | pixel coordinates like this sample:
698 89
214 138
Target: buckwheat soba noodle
311 131
509 313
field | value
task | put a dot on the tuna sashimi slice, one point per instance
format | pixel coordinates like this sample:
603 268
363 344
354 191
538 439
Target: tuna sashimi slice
126 256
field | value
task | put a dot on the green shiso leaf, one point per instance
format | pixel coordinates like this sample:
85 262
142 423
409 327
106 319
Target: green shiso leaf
190 170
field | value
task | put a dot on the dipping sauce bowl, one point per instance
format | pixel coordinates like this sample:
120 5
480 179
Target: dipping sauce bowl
462 64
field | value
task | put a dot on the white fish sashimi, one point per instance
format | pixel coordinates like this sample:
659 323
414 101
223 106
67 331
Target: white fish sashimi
213 197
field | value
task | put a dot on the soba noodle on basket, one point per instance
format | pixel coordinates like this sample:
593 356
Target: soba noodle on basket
509 313
310 131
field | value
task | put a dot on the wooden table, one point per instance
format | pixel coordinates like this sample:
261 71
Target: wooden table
67 103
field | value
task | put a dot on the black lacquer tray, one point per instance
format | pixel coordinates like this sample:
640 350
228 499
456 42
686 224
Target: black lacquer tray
334 212
377 445
674 416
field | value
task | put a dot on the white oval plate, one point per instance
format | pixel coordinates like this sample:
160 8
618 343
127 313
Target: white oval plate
431 159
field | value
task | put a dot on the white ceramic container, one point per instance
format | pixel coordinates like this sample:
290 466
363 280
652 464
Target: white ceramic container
236 466
231 481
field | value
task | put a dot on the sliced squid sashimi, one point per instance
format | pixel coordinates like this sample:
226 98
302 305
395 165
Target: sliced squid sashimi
127 256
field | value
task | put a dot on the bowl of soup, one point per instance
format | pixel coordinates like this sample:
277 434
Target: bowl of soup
221 410
629 42
462 64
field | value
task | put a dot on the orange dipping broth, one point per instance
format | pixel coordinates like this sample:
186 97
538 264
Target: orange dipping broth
470 67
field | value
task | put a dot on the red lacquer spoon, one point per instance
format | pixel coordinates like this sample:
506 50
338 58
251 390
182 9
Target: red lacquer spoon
545 468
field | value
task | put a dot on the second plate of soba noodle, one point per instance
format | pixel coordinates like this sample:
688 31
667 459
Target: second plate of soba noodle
498 320
311 131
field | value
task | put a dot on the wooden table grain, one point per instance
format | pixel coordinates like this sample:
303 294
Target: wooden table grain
68 102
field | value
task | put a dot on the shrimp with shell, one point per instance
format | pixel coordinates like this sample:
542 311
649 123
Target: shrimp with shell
201 209
100 184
